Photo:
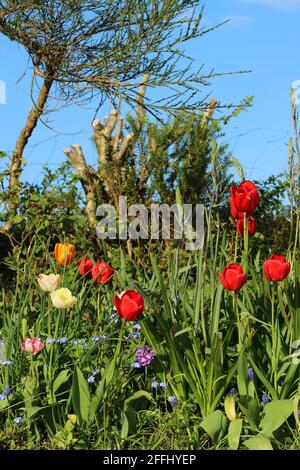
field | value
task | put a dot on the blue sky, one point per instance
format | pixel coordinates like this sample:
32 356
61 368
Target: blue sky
262 36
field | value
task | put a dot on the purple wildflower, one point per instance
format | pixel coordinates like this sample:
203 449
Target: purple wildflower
137 326
99 338
50 340
155 384
2 396
91 379
7 391
265 399
163 384
172 400
145 355
95 372
250 374
18 420
299 413
75 342
136 365
133 335
63 340
7 363
232 391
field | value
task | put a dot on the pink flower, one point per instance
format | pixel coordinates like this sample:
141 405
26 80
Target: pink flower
34 345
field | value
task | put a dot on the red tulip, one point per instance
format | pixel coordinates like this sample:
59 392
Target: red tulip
235 214
85 266
129 305
276 268
102 273
251 226
245 197
233 277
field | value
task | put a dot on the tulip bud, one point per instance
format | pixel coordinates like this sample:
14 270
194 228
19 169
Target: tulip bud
73 419
229 406
24 327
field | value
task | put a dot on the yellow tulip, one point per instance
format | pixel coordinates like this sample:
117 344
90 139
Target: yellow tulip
62 298
64 253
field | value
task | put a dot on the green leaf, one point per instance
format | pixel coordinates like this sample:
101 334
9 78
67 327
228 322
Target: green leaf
137 395
125 425
258 443
215 425
251 410
102 387
276 413
61 379
234 433
242 378
81 396
3 404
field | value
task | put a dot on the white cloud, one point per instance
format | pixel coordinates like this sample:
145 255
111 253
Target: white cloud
239 21
283 4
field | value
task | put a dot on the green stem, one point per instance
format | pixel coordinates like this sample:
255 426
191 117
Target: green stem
273 360
236 309
246 245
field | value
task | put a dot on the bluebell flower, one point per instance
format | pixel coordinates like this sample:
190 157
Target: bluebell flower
299 413
163 384
2 396
137 326
99 338
50 340
18 420
113 314
250 374
7 363
155 384
96 372
91 379
137 365
133 335
75 342
84 346
7 391
232 391
63 340
172 400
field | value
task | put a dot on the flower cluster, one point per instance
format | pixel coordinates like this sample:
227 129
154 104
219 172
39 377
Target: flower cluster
244 199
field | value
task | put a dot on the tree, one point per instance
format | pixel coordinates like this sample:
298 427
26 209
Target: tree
96 49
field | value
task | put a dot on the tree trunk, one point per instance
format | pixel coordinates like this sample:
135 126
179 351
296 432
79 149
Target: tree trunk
17 156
